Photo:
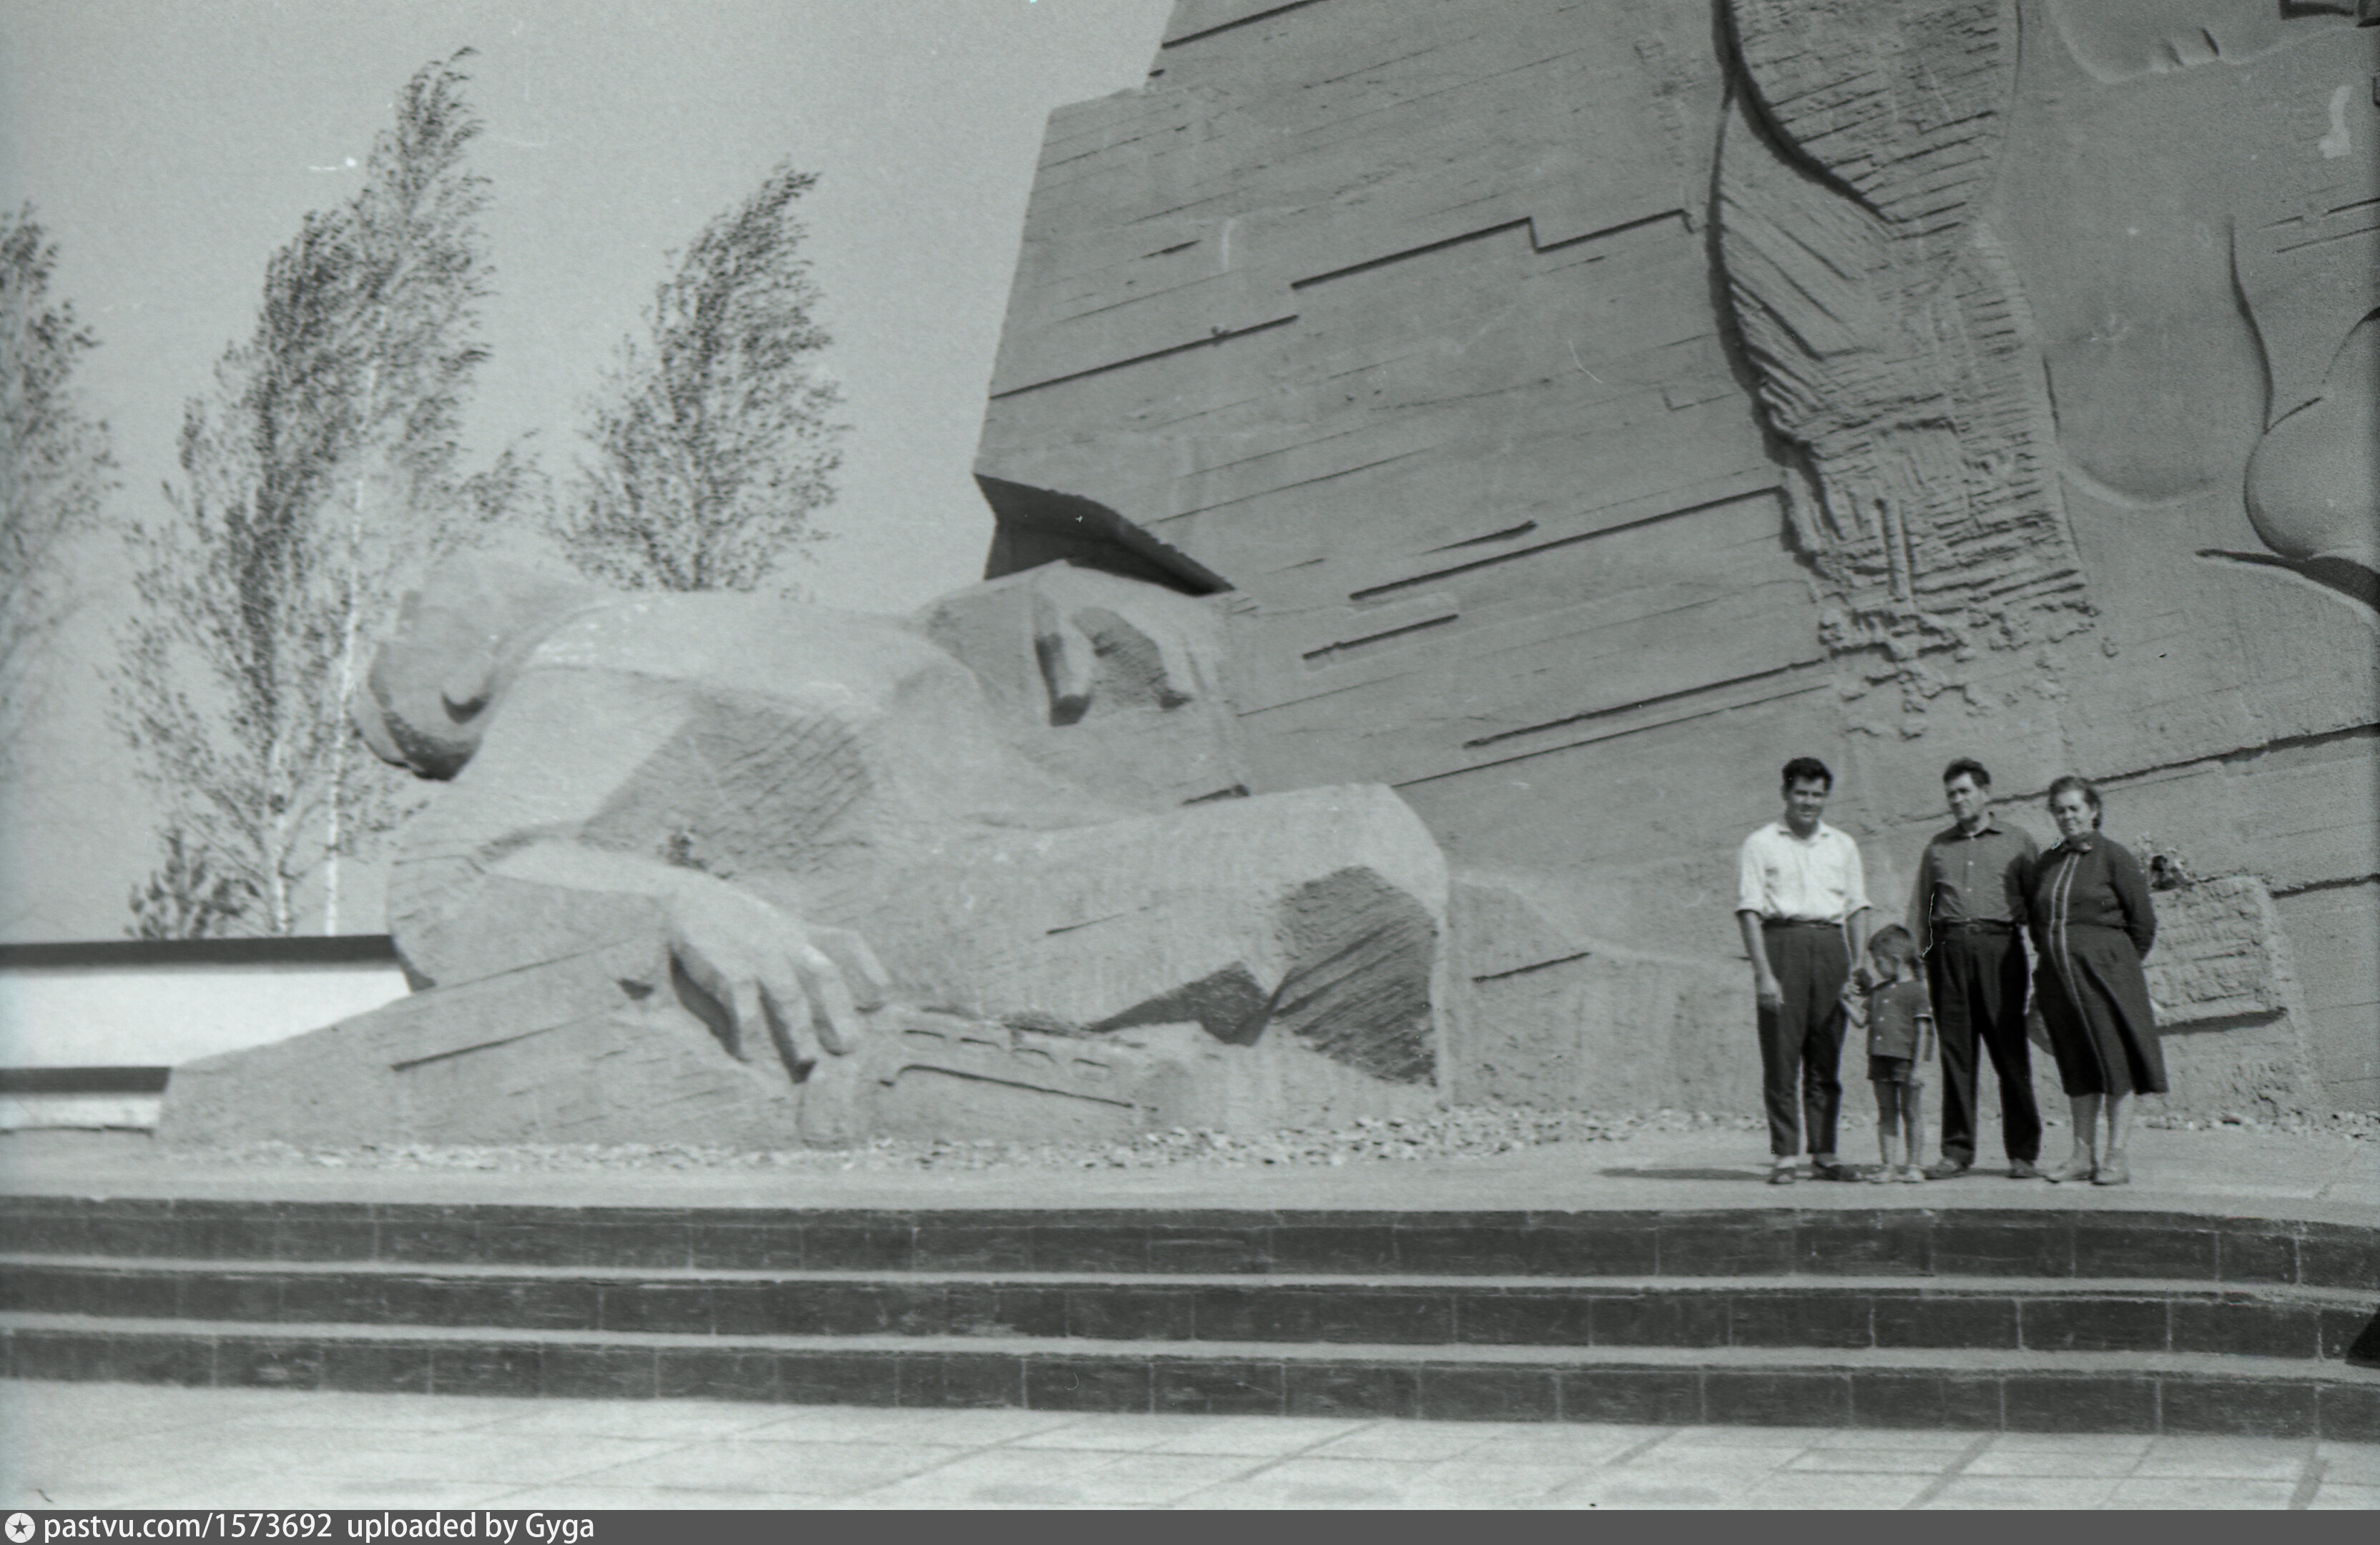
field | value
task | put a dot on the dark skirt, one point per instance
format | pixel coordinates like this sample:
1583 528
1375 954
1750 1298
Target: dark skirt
2101 1029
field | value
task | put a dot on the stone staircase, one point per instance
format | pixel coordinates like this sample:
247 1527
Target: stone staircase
2021 1320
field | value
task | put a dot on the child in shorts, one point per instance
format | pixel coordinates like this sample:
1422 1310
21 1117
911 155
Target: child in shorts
1899 1039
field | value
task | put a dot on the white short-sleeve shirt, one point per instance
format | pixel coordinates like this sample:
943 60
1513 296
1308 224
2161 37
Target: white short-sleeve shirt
1787 878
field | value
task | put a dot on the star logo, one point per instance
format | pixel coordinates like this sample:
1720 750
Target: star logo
20 1528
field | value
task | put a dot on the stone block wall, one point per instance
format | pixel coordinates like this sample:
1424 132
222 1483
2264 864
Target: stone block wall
1548 1016
2227 1002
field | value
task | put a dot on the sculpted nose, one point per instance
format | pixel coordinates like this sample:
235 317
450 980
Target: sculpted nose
372 725
468 687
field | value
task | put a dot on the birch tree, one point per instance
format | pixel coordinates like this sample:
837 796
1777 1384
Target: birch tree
322 465
56 468
713 439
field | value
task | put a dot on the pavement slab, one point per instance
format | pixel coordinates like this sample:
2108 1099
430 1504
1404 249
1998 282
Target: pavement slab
77 1444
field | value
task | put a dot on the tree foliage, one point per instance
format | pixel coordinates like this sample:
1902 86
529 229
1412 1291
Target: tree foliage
187 897
321 465
711 440
55 463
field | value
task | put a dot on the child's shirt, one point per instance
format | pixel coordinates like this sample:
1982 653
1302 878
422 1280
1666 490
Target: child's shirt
1893 1011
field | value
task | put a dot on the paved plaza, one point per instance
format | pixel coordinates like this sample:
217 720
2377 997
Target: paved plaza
2230 1173
85 1445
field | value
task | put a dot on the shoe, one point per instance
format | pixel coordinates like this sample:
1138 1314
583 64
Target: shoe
1781 1176
1948 1170
2072 1170
1829 1170
1878 1177
2112 1171
2023 1169
1911 1174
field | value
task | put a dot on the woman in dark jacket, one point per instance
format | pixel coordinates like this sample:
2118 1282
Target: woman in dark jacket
2092 922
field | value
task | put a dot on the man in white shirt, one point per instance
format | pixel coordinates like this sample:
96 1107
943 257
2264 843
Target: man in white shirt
1802 903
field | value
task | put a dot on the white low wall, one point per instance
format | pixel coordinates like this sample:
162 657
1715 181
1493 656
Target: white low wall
150 1004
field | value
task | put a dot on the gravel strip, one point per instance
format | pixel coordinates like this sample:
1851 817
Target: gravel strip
1462 1133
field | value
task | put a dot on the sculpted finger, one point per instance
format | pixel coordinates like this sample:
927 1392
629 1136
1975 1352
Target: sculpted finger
834 1104
716 982
869 982
751 1019
789 1015
1178 674
834 1016
1068 662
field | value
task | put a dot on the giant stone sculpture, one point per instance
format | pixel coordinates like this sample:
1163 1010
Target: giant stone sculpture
1559 415
1589 407
722 868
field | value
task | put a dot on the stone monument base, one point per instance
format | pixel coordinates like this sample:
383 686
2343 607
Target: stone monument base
586 1050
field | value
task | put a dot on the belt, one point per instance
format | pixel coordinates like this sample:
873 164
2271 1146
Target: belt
1984 925
1799 923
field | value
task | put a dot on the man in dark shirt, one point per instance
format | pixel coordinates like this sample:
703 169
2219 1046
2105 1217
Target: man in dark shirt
1967 912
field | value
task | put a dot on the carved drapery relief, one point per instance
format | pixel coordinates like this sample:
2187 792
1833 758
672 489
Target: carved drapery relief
1887 336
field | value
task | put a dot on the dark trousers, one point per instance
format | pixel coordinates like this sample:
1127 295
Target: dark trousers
1802 1038
1977 977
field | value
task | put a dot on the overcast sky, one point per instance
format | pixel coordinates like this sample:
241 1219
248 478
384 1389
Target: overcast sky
169 146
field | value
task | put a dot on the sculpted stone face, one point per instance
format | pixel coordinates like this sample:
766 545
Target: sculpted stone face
457 644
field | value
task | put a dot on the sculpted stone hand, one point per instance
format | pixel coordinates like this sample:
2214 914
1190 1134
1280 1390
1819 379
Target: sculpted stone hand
776 978
804 988
1088 651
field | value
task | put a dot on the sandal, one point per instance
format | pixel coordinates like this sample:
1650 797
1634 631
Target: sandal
1911 1175
2072 1170
2113 1171
1878 1177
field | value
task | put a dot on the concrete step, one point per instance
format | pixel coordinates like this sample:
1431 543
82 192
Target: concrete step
2044 1314
2037 1241
1984 1390
2040 1317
